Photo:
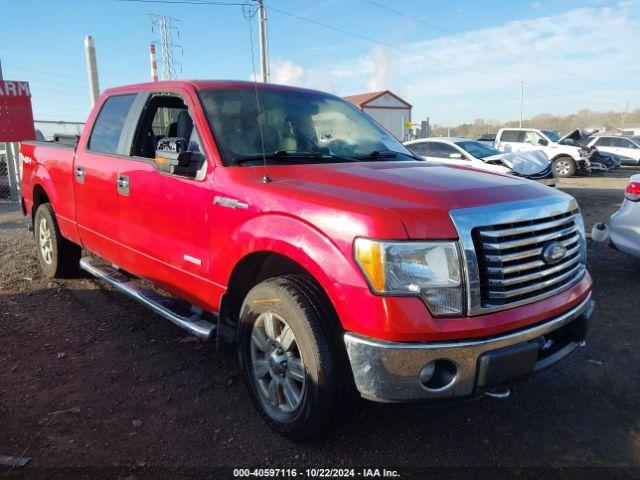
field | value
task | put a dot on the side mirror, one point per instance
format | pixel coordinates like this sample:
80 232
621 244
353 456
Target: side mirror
543 142
456 156
173 157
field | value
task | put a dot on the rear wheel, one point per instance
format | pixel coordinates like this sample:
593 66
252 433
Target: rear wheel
58 257
291 363
564 167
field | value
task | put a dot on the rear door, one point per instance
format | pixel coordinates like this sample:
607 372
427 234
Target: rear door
165 221
95 176
625 148
510 140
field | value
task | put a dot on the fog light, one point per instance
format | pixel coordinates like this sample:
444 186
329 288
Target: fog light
438 375
426 374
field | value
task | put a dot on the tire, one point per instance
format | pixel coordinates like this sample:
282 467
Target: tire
284 319
564 167
58 257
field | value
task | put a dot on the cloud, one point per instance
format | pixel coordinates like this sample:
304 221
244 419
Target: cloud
287 72
594 44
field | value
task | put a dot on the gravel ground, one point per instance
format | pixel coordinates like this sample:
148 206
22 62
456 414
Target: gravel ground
92 385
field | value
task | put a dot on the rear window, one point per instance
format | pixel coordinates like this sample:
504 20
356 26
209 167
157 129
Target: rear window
512 136
107 128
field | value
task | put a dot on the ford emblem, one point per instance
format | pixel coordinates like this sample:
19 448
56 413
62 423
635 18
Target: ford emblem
553 253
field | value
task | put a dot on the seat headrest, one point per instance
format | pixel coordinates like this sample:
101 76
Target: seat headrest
184 125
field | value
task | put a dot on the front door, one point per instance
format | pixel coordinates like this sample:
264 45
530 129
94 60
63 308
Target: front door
164 218
95 177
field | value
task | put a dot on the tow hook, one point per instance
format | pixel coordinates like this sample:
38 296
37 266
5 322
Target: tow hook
500 392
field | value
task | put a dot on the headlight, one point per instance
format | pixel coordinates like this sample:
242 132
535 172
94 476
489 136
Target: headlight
430 270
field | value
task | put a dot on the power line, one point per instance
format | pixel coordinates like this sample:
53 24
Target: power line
487 46
392 46
430 57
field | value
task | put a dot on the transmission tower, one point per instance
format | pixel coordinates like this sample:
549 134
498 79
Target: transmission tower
166 27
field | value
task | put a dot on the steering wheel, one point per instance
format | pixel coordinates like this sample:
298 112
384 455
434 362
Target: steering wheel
339 146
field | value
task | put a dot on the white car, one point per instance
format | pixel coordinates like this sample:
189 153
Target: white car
567 157
471 153
624 225
625 148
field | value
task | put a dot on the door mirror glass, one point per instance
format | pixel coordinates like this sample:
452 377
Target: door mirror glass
543 142
456 156
173 157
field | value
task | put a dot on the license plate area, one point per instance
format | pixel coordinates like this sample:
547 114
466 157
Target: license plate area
500 366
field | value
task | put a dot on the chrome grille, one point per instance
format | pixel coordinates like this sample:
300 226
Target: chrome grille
510 258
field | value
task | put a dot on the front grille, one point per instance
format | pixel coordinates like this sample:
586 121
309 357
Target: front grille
510 258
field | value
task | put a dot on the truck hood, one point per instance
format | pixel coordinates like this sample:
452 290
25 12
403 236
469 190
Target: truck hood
522 163
420 194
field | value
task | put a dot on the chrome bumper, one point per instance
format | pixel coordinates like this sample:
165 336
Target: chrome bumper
389 371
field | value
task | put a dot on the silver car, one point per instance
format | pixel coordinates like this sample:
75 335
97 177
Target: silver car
624 225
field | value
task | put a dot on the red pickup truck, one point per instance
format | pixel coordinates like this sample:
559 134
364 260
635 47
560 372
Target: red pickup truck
290 222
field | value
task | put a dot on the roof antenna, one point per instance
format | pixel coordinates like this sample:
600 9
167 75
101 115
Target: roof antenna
248 14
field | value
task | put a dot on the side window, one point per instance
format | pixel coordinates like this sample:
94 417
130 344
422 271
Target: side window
419 148
512 136
621 143
442 150
603 142
107 128
167 116
532 137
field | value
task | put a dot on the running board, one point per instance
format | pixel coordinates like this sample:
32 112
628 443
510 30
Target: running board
190 319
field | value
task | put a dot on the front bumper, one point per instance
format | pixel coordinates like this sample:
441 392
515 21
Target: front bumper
391 372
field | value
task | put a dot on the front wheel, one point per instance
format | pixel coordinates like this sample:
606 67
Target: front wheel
564 167
291 365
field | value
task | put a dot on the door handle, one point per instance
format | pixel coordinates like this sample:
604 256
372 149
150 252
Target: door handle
123 185
79 174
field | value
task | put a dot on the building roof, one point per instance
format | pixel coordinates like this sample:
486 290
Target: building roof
361 99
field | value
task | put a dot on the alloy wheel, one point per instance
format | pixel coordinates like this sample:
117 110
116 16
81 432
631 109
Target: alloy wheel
276 365
44 238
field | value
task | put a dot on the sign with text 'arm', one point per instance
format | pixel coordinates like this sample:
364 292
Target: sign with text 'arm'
16 116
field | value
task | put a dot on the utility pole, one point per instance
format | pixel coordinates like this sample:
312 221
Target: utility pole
152 61
92 69
521 100
264 50
624 118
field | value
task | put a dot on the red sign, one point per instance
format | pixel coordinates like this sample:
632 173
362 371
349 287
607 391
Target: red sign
16 116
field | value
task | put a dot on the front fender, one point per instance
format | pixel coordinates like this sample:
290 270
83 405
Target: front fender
327 261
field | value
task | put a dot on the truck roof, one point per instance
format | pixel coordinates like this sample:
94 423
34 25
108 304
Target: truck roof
205 85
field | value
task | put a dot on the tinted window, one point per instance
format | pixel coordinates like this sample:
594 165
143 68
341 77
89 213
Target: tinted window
512 136
621 142
603 142
439 150
419 148
107 128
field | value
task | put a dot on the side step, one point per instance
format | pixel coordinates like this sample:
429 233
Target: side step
191 319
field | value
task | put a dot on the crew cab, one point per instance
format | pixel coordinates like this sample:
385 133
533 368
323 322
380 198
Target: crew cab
289 222
567 158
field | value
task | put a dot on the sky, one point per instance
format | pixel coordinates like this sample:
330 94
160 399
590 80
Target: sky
454 61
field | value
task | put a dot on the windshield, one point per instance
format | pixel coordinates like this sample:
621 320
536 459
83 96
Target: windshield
553 136
299 126
477 149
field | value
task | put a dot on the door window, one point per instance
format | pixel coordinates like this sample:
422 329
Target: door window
419 148
532 137
440 150
621 143
512 136
603 142
167 116
107 129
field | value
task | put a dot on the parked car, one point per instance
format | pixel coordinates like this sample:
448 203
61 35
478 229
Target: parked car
338 266
471 153
566 157
626 148
624 225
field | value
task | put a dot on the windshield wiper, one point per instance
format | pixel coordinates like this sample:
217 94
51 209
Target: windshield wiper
288 154
376 154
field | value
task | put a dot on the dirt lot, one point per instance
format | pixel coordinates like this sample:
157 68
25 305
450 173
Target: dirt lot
94 386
